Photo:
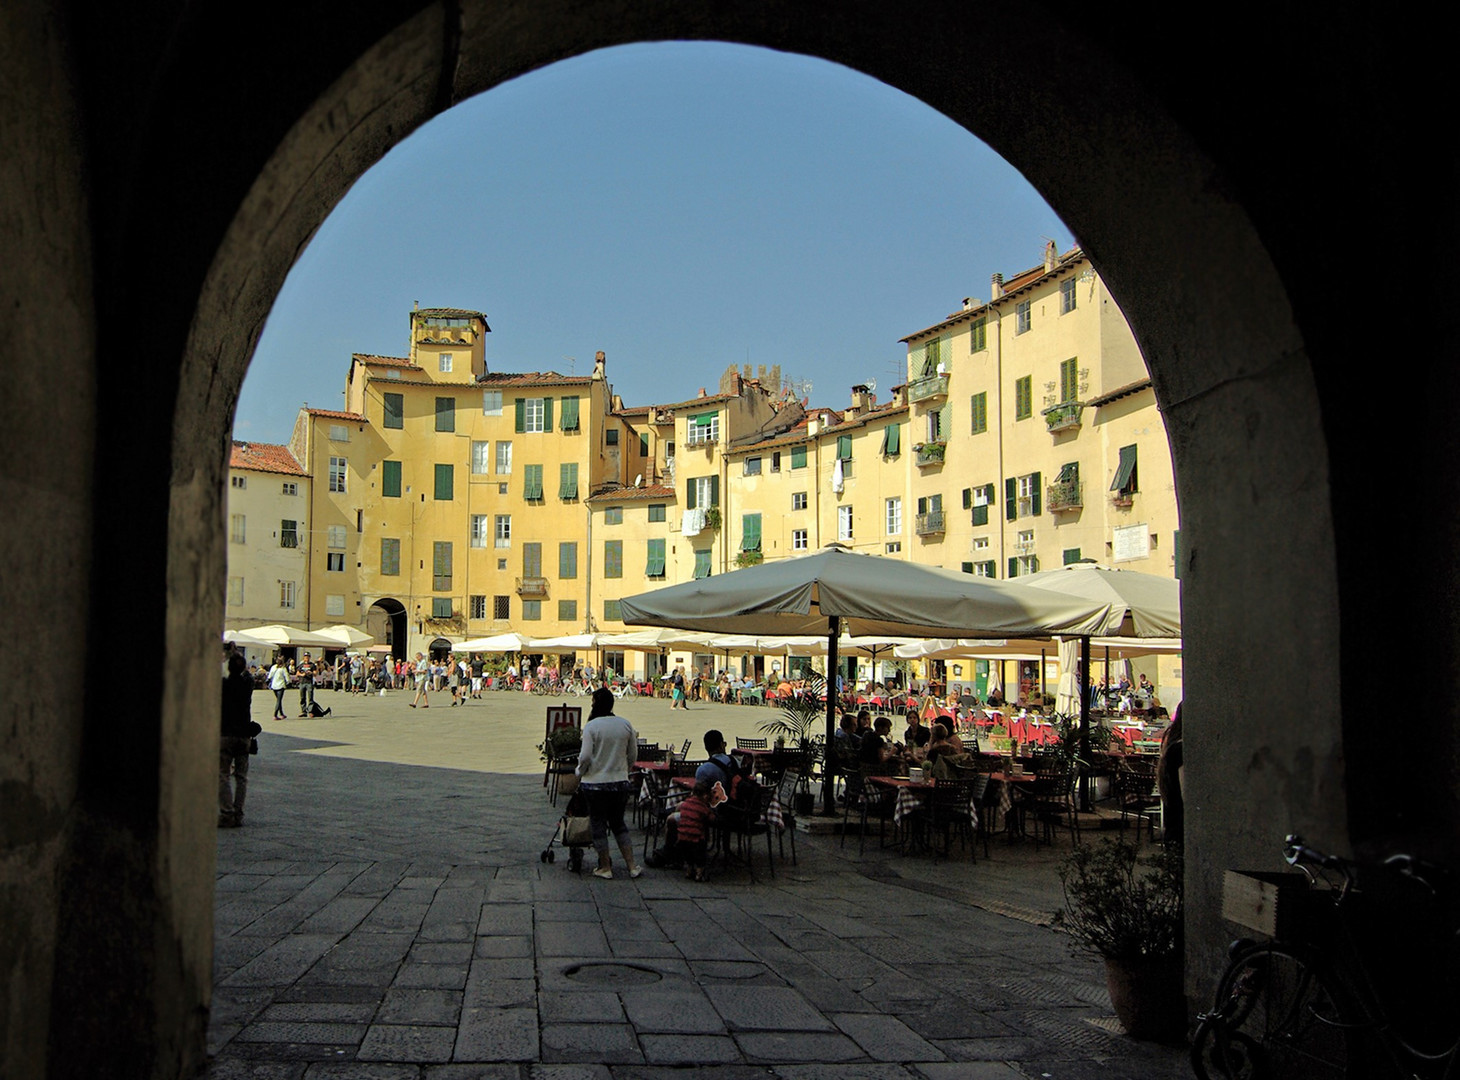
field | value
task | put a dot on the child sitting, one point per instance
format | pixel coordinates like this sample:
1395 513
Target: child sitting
694 823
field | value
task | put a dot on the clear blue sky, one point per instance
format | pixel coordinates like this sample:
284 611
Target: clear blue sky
682 207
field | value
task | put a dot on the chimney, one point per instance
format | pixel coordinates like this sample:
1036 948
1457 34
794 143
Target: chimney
600 365
996 286
702 392
1050 256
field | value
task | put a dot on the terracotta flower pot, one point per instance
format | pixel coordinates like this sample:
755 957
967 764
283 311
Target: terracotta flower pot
1148 997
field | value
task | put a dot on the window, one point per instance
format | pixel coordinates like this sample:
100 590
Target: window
531 610
1023 317
799 540
932 357
389 556
339 433
390 479
775 461
702 563
337 474
894 515
610 436
237 529
612 612
568 480
979 407
980 543
613 558
798 500
1067 296
440 565
570 417
568 560
1024 398
286 594
335 537
892 440
504 459
441 607
980 499
1024 538
444 483
984 569
967 568
235 592
894 547
644 445
501 607
291 488
443 363
288 533
752 466
703 429
654 567
481 458
334 604
1069 380
1124 484
843 522
395 410
1071 555
240 482
567 610
798 457
491 403
844 448
534 414
532 483
657 512
978 338
446 414
1023 565
938 425
502 530
704 492
613 515
478 607
334 562
479 530
1022 496
750 532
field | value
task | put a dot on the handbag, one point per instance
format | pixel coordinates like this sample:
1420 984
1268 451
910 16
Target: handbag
253 746
577 831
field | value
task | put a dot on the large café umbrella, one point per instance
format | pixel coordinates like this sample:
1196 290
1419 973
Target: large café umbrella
865 595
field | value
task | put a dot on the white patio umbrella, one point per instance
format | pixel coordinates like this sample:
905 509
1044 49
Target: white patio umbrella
349 636
1067 697
566 643
240 637
277 634
502 643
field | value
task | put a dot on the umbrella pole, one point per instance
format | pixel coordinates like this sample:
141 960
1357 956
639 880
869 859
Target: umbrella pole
828 759
1085 722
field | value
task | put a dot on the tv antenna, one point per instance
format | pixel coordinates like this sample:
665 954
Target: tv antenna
572 364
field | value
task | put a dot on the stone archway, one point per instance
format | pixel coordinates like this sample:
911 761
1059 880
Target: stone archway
385 621
167 168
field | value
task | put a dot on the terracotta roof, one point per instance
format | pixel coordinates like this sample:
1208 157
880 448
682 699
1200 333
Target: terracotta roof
386 361
449 313
708 399
264 457
1120 392
532 378
798 433
636 410
335 415
1021 280
633 494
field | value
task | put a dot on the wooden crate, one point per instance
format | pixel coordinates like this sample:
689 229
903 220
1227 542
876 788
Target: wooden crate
1265 901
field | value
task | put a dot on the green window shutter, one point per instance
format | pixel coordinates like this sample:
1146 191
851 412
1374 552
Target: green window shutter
520 409
715 490
655 565
567 610
844 447
395 410
390 556
968 498
390 479
981 515
1013 567
446 414
945 420
532 560
702 564
1071 555
1125 473
612 612
568 480
547 414
1069 380
444 477
968 568
689 496
1034 505
798 457
570 414
892 440
1011 499
613 558
441 565
532 482
440 607
922 506
568 560
750 532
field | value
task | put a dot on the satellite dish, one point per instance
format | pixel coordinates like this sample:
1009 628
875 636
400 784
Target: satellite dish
870 384
639 480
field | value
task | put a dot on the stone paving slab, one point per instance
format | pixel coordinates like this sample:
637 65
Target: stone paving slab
405 929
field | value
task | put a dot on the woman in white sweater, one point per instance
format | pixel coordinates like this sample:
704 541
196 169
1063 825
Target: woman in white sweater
609 746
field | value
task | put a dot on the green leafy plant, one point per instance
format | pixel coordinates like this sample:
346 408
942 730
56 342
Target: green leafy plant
565 742
712 517
749 558
1122 906
801 716
1067 748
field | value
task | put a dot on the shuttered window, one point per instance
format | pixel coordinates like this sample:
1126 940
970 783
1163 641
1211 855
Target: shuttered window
568 560
892 440
446 414
568 479
702 563
1024 398
441 565
798 457
532 483
750 532
570 414
445 477
654 568
390 479
395 410
844 447
1125 473
532 560
613 558
389 556
979 407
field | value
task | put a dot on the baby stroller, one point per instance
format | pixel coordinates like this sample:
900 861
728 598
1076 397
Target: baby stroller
573 831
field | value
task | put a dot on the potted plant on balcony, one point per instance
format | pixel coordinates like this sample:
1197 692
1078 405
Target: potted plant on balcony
1129 910
712 517
749 558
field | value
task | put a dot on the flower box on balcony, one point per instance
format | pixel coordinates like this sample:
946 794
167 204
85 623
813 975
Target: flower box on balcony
712 517
1122 500
930 453
1064 495
1064 416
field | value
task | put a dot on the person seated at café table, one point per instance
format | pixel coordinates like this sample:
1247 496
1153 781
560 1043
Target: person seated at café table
878 754
916 735
943 742
864 724
845 736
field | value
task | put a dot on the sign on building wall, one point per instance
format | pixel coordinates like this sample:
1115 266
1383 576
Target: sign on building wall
1131 542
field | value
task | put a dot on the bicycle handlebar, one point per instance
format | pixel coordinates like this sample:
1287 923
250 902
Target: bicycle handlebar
1298 854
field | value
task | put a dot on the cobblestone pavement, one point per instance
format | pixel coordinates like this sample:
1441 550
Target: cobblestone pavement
384 914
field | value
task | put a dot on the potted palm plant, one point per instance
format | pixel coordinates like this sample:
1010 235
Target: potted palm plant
797 726
1129 910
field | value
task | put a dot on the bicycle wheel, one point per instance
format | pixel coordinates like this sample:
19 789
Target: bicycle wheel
1278 1016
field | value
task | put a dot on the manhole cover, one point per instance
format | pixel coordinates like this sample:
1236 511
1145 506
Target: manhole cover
612 974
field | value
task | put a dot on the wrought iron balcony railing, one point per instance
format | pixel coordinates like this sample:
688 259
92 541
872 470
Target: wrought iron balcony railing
1064 495
930 523
927 388
534 587
930 453
1063 417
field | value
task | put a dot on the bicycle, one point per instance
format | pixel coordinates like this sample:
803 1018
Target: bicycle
1303 1005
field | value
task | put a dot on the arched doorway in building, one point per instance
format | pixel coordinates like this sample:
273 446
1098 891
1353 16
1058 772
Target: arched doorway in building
386 623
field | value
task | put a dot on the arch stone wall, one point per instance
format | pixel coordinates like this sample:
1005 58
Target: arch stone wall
163 164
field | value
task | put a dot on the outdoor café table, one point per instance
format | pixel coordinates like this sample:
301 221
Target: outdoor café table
911 795
681 786
1006 786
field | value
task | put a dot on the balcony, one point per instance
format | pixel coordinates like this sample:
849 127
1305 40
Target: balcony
929 524
532 588
1064 495
1063 417
930 453
701 437
1123 500
927 388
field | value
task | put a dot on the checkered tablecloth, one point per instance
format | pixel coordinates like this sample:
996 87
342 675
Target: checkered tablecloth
678 792
910 797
